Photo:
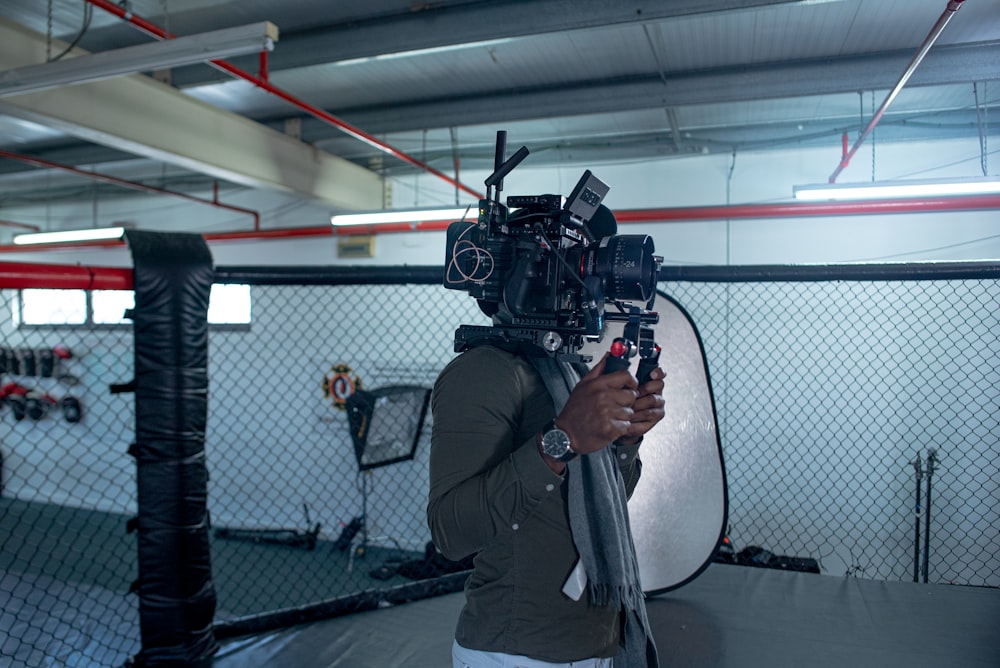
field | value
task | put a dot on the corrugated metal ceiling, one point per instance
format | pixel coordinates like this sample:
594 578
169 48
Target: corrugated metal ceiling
625 82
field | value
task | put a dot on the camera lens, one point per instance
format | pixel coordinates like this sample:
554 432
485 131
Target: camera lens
628 266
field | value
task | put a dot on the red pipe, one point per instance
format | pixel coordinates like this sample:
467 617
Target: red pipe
16 275
25 226
20 275
281 233
811 209
741 212
263 83
946 16
626 216
39 162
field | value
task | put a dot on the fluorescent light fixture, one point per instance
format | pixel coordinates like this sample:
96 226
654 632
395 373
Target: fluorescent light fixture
69 236
424 52
897 189
176 52
402 216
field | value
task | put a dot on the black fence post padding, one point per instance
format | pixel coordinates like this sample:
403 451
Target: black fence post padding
173 276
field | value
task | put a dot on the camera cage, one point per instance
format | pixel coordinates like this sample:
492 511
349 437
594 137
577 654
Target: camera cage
542 265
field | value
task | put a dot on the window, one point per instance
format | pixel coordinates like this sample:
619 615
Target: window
228 305
108 306
51 307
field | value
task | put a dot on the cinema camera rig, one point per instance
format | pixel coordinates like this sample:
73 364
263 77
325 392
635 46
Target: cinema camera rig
546 268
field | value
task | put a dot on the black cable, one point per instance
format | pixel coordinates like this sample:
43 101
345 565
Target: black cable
88 14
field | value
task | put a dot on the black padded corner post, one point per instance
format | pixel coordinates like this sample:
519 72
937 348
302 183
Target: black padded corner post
172 281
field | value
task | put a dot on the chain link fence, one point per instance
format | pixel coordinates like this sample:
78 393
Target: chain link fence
837 399
67 491
281 458
832 397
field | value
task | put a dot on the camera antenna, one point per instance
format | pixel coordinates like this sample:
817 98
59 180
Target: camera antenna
503 169
500 156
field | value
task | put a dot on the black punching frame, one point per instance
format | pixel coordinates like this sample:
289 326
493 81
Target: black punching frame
172 280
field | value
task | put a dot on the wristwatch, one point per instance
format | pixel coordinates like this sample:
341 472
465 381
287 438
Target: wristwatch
555 443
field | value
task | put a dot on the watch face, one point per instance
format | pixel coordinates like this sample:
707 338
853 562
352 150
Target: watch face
555 443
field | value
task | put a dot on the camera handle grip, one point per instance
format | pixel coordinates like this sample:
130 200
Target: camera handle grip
647 364
618 359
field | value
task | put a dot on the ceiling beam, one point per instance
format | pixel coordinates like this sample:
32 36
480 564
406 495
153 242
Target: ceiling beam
254 38
440 26
146 118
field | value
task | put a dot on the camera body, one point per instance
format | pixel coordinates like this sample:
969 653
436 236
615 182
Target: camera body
546 268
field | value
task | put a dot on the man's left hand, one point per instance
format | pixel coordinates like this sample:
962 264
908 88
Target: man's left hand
648 408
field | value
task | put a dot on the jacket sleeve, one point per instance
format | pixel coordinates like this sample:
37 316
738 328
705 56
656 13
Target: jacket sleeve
630 466
486 475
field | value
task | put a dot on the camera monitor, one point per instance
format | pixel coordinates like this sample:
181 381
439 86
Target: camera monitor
582 203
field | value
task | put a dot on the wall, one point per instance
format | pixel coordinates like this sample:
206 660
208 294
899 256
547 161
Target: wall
764 177
769 177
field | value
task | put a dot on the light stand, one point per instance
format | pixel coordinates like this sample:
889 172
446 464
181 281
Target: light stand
385 426
918 474
931 465
922 469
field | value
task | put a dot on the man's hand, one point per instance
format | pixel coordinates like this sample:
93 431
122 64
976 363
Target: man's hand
601 409
648 408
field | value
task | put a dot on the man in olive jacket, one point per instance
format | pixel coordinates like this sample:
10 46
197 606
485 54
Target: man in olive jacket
498 474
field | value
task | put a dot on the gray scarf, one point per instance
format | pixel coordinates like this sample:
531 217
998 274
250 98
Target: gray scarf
598 516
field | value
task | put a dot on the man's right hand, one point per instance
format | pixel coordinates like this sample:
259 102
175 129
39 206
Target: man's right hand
599 410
